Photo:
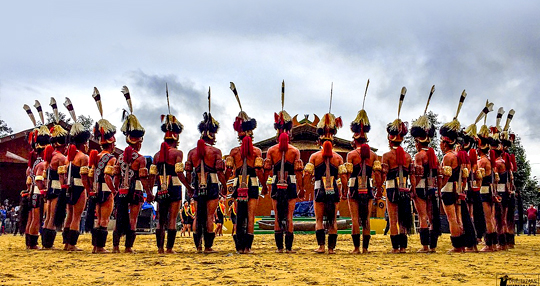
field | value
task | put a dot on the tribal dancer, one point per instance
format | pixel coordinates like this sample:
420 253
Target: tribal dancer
474 182
487 193
426 165
56 193
188 213
455 170
502 170
326 167
284 165
507 139
396 166
132 179
232 213
220 216
101 175
170 169
205 170
363 168
245 164
78 184
36 185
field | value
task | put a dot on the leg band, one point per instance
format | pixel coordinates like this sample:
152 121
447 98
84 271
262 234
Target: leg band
209 239
320 236
116 238
332 240
73 237
160 238
365 243
171 237
65 235
289 238
356 240
424 236
395 241
433 239
278 236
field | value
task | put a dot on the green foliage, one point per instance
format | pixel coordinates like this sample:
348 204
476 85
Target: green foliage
49 117
4 129
409 143
86 121
527 185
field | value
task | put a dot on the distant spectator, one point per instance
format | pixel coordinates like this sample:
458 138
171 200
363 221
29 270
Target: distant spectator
532 212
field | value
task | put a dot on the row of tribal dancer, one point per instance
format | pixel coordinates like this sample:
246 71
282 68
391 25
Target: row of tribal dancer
473 183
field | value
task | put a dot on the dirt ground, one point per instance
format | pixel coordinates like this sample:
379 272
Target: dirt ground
146 267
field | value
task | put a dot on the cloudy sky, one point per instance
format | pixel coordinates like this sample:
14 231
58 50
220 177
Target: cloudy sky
64 48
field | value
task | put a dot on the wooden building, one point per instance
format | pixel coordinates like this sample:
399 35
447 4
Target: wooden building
304 137
14 154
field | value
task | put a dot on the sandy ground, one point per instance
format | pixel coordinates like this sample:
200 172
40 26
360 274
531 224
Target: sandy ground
23 267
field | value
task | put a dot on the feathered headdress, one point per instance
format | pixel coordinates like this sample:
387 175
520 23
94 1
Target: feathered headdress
77 134
37 105
484 139
421 129
131 128
282 119
398 129
495 131
329 124
169 124
33 134
58 133
450 130
208 126
103 130
470 135
360 125
506 137
242 123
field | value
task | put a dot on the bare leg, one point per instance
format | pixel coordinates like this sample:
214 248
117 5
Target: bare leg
104 214
393 221
133 216
210 211
333 228
367 230
174 208
455 229
421 208
252 205
353 207
77 210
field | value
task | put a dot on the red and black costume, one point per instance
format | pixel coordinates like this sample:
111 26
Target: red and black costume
101 175
169 170
364 178
32 197
284 167
325 167
130 180
77 184
426 175
244 164
57 191
397 166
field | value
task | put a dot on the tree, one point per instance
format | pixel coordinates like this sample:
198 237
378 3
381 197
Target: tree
522 177
49 117
409 143
86 121
4 129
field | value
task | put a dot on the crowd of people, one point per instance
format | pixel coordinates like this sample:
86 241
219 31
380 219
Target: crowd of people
9 218
472 184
